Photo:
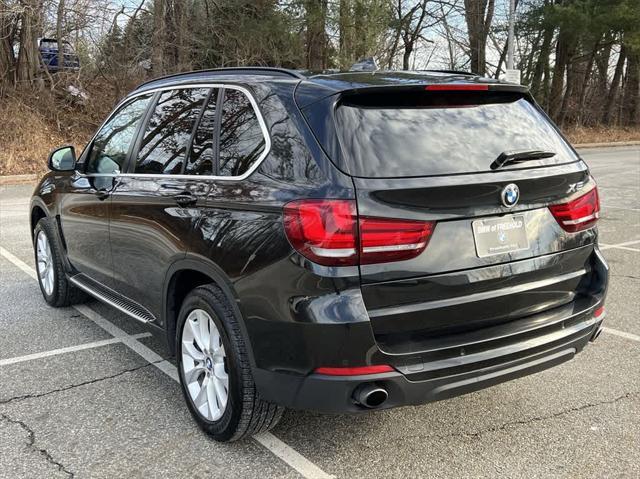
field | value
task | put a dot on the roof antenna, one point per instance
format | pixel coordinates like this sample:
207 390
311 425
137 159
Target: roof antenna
364 65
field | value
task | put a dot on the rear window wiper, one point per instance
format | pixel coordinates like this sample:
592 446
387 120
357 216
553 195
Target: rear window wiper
510 157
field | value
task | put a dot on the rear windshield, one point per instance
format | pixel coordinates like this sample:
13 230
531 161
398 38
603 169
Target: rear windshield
436 133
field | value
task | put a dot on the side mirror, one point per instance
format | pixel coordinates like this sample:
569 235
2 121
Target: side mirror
63 159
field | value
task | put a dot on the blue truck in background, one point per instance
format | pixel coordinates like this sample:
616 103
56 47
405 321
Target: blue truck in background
49 48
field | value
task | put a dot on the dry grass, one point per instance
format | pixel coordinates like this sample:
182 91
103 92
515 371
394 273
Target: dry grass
28 135
32 123
601 134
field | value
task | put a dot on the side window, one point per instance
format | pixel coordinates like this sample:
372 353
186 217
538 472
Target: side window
202 159
111 145
241 138
166 136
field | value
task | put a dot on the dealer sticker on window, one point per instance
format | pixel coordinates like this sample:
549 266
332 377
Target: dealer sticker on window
505 234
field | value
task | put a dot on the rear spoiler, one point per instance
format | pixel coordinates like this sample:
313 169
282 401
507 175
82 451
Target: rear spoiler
311 92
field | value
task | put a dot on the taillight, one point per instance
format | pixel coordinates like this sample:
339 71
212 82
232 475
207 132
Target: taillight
325 231
579 214
329 232
383 240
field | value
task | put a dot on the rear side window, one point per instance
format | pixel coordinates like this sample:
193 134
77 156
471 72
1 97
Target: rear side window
167 133
441 133
241 138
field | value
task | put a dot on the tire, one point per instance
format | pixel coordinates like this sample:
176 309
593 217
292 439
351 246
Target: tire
244 413
57 290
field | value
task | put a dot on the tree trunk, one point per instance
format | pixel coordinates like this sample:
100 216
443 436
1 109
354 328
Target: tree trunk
360 36
528 69
158 38
478 14
602 64
406 56
182 36
502 59
316 40
584 84
557 83
631 89
7 58
59 35
569 92
537 88
345 25
613 90
28 55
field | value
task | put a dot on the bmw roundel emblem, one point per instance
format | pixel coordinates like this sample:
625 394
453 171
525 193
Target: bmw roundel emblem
510 195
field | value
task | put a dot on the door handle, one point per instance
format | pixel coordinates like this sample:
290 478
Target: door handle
186 199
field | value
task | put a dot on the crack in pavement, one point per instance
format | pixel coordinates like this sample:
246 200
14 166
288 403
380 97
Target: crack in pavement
72 386
552 416
31 444
629 276
502 427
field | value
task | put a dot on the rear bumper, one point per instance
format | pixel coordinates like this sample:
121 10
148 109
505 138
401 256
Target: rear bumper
428 370
336 394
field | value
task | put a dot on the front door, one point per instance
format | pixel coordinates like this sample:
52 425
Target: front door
85 208
156 205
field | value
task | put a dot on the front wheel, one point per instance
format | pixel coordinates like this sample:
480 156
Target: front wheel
56 288
215 372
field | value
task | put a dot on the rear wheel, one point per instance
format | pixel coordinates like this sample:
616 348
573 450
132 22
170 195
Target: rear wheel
56 289
215 372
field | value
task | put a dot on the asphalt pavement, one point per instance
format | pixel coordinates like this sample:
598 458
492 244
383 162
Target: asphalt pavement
87 392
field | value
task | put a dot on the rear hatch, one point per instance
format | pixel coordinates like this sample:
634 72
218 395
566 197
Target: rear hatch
447 156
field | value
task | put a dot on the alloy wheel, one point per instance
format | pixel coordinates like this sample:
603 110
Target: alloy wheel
204 365
46 272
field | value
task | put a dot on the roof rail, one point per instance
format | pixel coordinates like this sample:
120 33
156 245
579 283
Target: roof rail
230 70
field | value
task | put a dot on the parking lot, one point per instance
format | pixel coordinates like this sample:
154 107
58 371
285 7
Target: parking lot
88 392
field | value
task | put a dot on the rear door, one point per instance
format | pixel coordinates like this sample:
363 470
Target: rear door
430 156
158 202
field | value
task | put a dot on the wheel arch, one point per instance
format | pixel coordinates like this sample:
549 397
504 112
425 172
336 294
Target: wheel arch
37 213
182 277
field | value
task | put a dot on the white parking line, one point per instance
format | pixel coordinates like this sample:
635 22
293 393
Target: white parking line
148 354
622 334
19 263
623 246
13 214
606 207
293 457
14 203
280 449
70 349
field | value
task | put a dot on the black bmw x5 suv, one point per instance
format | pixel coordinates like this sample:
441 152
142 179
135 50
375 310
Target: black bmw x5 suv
340 242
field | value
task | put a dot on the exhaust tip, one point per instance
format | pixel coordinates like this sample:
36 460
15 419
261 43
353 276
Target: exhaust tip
370 396
596 334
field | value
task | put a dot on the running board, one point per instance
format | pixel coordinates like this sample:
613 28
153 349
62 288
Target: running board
112 298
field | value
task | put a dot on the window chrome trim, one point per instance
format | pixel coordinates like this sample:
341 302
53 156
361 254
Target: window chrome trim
246 174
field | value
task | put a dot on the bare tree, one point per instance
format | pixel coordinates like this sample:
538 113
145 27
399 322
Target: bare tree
59 32
316 38
28 55
159 34
479 14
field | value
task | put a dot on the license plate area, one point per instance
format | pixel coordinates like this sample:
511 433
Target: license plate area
500 235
